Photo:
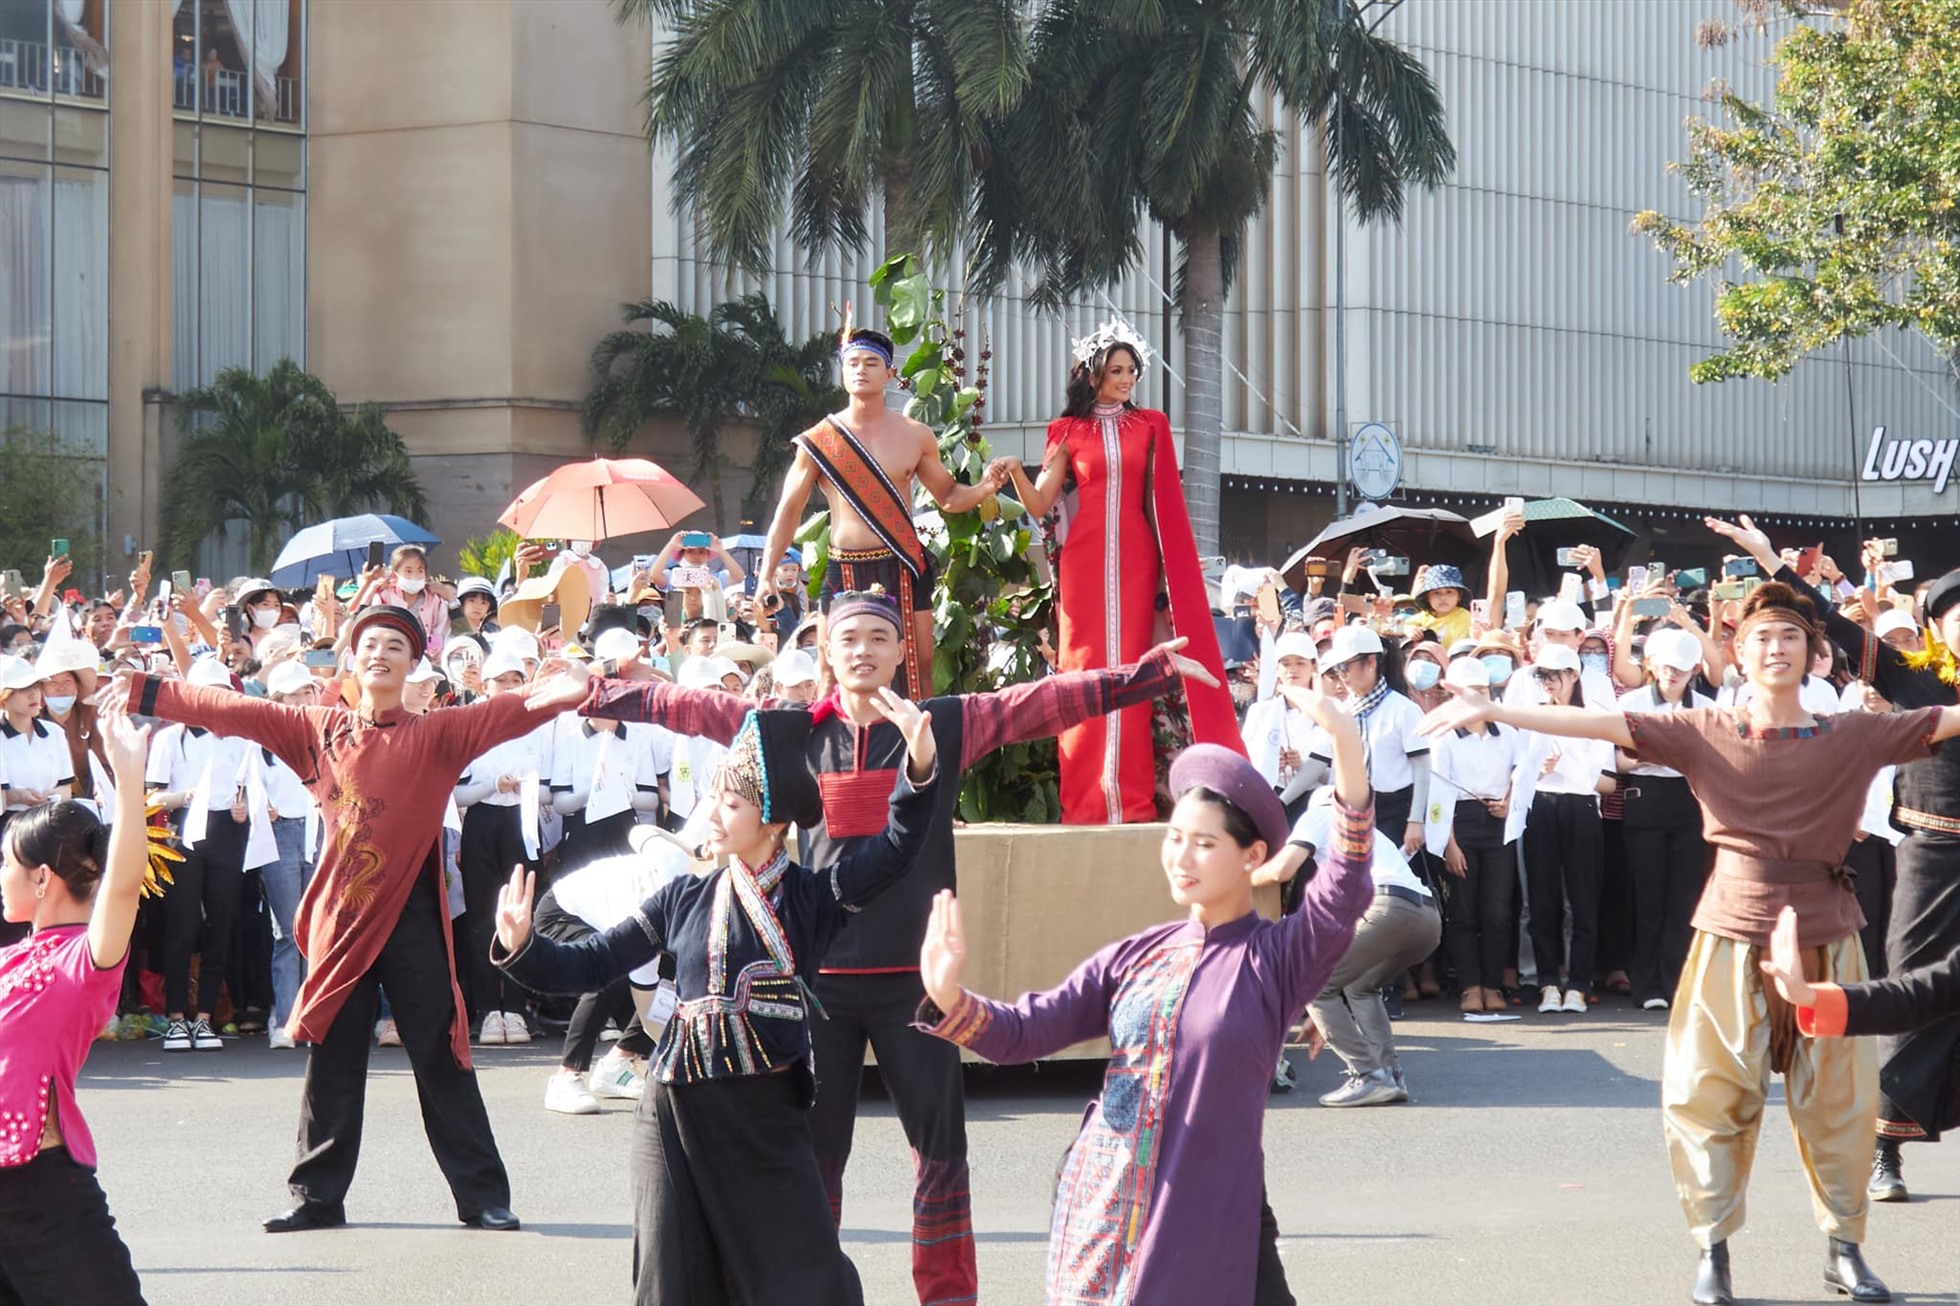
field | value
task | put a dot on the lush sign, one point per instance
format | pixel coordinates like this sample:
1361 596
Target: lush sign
1909 460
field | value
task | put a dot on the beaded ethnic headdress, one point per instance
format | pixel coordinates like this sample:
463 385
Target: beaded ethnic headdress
1113 332
769 764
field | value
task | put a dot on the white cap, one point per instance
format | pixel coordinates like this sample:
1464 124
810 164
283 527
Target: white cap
287 677
798 668
1350 642
1293 644
76 655
210 672
1468 673
462 650
19 673
1560 614
502 662
1556 657
1673 647
422 671
616 645
722 666
256 585
1462 648
517 641
1889 621
699 673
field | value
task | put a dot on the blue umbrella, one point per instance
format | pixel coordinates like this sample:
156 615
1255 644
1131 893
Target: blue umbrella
339 548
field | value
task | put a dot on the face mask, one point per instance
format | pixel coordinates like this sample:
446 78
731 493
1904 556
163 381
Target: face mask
1593 662
1405 615
59 703
411 584
1498 666
580 547
1423 674
265 618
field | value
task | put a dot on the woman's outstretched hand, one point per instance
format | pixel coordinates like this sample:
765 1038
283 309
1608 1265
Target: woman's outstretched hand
942 958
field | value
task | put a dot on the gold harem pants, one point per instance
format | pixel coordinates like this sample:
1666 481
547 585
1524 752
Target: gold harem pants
1715 1078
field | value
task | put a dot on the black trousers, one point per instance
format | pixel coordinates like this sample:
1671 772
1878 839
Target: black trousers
1392 813
1615 899
58 1242
1562 853
1478 909
493 843
251 966
614 1002
586 841
922 1074
728 1208
1668 860
202 903
414 970
1875 862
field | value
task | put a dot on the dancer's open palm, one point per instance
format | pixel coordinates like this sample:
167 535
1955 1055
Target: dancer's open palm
915 723
514 909
942 958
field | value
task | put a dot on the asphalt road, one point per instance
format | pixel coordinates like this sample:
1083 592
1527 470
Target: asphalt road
1529 1170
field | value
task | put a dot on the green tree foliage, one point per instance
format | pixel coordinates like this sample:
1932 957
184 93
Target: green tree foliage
825 103
735 365
277 452
1836 201
48 490
486 555
1151 111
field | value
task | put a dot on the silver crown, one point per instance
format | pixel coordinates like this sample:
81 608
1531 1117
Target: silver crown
1113 332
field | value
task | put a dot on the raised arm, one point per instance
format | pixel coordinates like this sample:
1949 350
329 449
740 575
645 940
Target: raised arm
113 917
544 965
287 731
1499 581
1468 707
710 713
1039 1025
1039 708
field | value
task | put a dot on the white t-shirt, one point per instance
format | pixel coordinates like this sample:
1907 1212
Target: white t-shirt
179 755
528 754
1272 724
1390 737
1387 864
1817 695
1580 764
1648 699
695 760
1478 765
36 758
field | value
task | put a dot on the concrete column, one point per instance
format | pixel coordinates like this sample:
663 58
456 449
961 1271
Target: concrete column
139 269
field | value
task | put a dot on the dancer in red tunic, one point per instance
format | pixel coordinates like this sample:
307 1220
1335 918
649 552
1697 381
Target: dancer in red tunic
1130 577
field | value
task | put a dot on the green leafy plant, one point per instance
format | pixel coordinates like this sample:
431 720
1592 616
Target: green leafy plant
486 555
991 605
49 490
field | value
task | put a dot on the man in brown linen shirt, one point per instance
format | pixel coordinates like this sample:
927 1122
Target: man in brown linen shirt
1781 794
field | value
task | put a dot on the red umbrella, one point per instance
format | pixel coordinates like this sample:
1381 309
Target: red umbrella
599 499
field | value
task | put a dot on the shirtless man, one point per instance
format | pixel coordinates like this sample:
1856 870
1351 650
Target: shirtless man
866 459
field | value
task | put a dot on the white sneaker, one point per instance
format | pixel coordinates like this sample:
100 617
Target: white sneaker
1376 1088
566 1095
386 1035
515 1030
177 1036
204 1038
1654 1004
492 1032
1575 1002
1551 999
277 1037
616 1076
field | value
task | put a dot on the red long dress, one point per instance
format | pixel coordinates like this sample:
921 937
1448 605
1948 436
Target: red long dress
1129 540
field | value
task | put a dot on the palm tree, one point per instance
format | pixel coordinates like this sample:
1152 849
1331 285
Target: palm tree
276 452
830 102
733 365
1148 109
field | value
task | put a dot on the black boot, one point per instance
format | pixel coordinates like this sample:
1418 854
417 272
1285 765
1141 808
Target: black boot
1712 1278
1888 1173
307 1215
1846 1274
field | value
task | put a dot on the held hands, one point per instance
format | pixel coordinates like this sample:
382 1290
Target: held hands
1189 668
1785 963
514 909
942 957
916 725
